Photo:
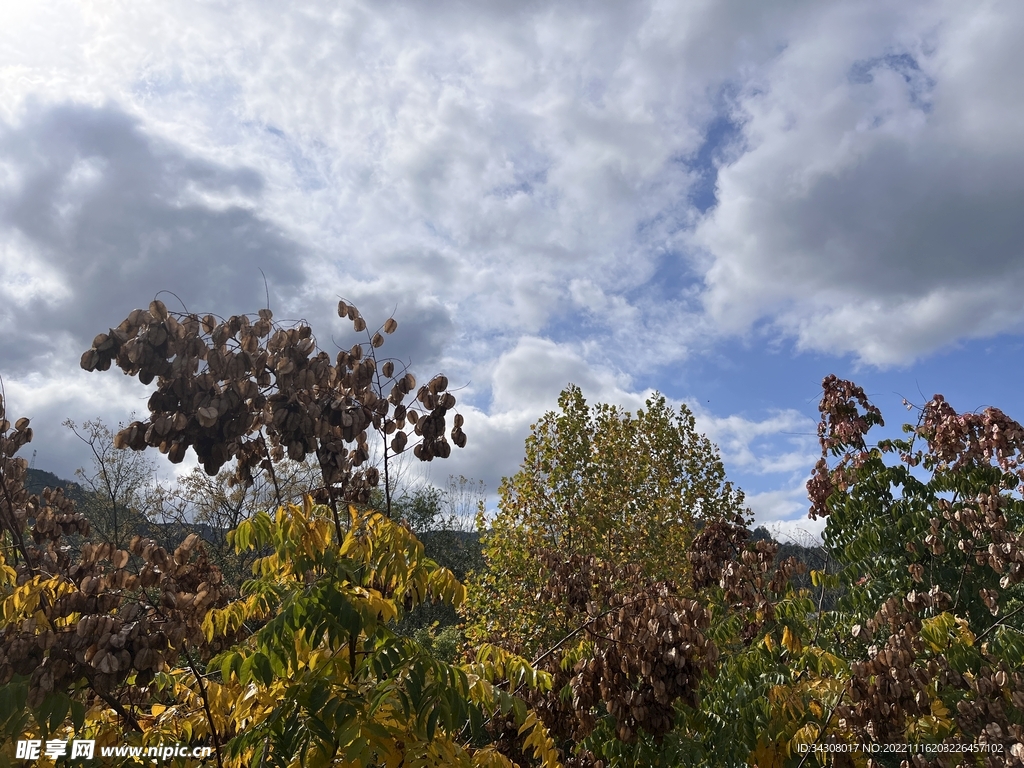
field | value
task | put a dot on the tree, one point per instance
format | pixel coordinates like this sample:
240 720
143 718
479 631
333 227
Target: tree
925 641
334 683
249 391
145 645
920 641
599 482
212 506
929 533
587 571
119 485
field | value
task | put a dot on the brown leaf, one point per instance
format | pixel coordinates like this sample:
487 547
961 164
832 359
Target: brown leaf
208 416
398 442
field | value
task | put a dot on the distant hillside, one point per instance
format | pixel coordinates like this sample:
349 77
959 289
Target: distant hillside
40 478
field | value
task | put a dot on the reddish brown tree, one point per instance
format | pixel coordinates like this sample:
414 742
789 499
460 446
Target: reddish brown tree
250 391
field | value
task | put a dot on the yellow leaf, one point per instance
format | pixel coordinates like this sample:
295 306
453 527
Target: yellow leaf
766 756
208 628
966 636
489 757
791 641
939 709
806 735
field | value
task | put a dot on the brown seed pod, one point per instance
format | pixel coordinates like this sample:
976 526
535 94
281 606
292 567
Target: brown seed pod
398 441
256 375
390 325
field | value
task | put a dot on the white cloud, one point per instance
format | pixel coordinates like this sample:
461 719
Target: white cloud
868 215
783 513
783 443
529 377
515 180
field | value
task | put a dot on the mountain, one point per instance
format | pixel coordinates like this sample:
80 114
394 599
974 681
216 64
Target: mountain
40 478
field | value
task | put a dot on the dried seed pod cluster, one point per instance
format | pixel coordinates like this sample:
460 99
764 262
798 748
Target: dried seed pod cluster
748 574
898 680
981 531
951 644
888 687
648 649
108 619
46 519
249 390
962 439
846 417
136 611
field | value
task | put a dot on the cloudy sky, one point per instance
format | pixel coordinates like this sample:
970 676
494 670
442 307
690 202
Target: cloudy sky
721 200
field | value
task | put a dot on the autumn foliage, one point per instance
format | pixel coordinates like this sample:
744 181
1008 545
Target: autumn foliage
249 391
626 616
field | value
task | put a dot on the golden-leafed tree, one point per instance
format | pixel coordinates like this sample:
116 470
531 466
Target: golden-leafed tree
599 482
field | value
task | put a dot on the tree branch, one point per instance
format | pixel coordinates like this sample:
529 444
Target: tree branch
1002 621
206 704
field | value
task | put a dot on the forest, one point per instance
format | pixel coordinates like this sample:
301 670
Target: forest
294 601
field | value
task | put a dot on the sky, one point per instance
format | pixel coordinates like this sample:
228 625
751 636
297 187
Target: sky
721 200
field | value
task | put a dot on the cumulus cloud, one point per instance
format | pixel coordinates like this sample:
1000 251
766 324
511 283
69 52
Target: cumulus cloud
782 443
543 192
529 377
865 213
98 218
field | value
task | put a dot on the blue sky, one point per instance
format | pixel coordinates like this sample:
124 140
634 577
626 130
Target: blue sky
723 201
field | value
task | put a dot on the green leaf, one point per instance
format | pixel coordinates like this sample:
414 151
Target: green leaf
262 669
61 706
